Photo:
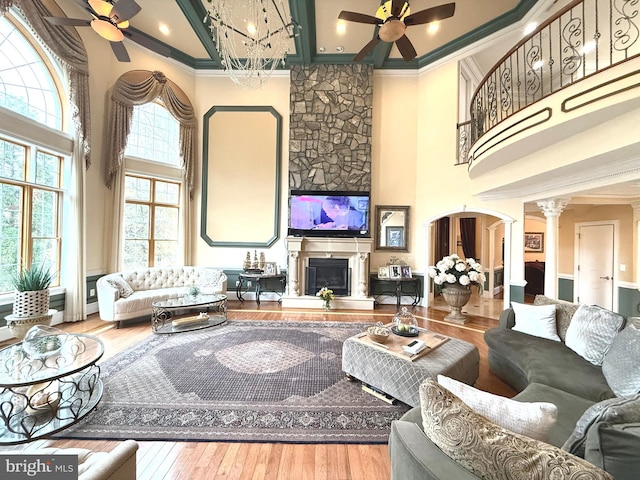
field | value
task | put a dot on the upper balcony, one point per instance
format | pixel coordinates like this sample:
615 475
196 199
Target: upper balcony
576 72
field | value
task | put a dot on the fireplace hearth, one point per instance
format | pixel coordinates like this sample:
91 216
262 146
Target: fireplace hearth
333 273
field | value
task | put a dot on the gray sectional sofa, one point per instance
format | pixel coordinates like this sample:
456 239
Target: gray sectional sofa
593 421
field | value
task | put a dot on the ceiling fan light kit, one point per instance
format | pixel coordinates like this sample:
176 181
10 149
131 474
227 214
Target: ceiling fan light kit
107 30
393 18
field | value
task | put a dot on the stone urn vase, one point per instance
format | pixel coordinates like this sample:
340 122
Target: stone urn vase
456 296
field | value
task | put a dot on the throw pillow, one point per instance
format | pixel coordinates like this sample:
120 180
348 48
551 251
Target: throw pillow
591 332
490 451
533 419
612 410
123 287
536 320
564 313
621 364
615 448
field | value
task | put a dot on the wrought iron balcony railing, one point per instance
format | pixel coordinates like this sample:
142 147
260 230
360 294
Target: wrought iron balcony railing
582 39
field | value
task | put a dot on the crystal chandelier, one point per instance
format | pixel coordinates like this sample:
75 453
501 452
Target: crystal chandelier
252 37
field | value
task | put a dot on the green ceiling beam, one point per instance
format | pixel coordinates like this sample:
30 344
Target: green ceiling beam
194 11
304 14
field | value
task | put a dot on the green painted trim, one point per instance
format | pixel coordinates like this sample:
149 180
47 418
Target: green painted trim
512 16
565 289
205 175
304 14
629 302
195 12
516 293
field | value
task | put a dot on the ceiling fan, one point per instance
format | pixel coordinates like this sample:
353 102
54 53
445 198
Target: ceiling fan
110 19
394 17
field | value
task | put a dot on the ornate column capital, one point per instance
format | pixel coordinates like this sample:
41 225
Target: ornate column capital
553 207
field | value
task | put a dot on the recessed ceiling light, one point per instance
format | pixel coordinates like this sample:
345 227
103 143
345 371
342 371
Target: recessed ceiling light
164 28
433 27
530 28
340 49
341 27
321 49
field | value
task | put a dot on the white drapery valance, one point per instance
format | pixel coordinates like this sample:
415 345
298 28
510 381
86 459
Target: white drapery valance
138 87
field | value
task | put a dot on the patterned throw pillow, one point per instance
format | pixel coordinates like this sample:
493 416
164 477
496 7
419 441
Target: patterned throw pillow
123 287
612 410
532 419
492 452
621 364
591 332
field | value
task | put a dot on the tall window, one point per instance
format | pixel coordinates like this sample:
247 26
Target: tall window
151 217
31 188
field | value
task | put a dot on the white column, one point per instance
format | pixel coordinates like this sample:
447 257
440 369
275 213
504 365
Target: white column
492 262
552 209
363 278
636 242
293 273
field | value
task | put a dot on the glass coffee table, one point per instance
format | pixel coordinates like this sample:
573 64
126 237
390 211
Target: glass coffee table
41 394
175 315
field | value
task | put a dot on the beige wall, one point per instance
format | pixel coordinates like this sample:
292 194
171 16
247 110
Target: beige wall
413 149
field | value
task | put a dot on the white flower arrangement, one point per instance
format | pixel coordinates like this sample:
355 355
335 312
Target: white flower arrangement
325 294
455 270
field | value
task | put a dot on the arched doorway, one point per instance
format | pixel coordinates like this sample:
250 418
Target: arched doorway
492 243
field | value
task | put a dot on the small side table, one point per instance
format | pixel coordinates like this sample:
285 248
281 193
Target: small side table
414 284
260 280
19 326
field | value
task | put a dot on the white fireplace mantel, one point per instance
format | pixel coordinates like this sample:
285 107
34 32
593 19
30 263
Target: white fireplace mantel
356 250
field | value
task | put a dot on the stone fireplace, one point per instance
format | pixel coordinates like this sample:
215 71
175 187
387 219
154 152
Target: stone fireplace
333 273
356 252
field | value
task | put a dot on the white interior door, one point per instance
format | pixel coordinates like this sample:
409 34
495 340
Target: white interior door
595 264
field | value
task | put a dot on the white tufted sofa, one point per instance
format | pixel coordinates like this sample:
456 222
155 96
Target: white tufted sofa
149 285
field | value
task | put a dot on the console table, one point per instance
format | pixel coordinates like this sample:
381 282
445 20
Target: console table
260 283
393 287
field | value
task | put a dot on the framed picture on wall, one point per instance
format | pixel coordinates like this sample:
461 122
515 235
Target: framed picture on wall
395 236
534 242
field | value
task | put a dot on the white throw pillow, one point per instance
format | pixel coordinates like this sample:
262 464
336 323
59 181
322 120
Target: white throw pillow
536 320
533 419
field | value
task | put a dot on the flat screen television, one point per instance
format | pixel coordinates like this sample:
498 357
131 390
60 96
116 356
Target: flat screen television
329 214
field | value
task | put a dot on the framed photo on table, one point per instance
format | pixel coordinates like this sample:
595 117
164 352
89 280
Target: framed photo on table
383 272
395 271
270 268
406 271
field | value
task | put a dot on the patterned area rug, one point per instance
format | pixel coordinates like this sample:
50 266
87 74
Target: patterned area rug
246 381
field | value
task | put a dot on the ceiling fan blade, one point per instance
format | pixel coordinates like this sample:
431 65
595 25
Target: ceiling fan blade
120 51
68 22
359 17
366 49
431 14
124 10
147 42
396 7
406 48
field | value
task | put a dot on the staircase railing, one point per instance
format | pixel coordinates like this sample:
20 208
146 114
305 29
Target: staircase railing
582 39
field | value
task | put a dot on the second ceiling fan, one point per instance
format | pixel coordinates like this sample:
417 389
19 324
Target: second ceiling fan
393 17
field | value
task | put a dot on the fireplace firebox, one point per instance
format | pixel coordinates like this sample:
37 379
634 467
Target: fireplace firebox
333 273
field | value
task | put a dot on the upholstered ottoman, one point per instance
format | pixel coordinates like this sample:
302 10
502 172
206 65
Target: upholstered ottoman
400 377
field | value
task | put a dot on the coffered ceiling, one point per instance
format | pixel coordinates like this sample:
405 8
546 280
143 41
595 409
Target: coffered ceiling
318 41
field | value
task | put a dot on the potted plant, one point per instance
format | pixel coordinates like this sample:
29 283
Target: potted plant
455 276
32 291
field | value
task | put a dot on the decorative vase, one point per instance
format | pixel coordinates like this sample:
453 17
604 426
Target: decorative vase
327 305
31 303
456 296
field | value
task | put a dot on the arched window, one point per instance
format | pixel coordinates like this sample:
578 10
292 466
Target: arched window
26 84
155 134
31 175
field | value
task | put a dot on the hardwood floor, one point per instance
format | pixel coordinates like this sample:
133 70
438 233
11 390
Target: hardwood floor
256 461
